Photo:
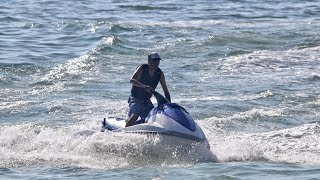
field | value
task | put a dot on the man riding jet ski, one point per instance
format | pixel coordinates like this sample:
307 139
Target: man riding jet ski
144 81
167 118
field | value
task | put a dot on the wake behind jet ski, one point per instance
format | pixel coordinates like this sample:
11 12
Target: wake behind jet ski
167 118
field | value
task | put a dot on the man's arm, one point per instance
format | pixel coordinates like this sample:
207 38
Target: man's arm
164 86
136 76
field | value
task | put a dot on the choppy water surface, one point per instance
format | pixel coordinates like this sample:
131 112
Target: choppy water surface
247 71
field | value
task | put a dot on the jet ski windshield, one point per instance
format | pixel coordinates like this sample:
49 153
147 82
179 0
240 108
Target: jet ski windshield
179 114
174 112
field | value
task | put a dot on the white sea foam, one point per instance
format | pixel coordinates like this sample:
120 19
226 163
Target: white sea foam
83 145
62 74
108 40
258 95
182 24
272 61
15 105
242 118
72 68
297 145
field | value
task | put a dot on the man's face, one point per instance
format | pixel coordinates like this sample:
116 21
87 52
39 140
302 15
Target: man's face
154 63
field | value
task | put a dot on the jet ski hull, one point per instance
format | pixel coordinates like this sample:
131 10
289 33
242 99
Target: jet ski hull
167 118
163 125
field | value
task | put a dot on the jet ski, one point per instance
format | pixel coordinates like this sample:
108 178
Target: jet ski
166 119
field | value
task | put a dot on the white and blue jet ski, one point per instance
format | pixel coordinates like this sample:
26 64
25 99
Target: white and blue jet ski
167 118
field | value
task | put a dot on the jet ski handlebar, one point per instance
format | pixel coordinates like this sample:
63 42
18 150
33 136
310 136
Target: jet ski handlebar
160 98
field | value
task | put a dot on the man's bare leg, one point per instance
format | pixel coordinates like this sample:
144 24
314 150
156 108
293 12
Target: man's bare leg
131 120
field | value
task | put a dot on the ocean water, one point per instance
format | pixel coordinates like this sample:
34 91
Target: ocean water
248 71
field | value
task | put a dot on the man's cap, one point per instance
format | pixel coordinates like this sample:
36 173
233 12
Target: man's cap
154 56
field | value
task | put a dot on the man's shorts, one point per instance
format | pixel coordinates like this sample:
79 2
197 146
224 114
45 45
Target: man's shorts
139 107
